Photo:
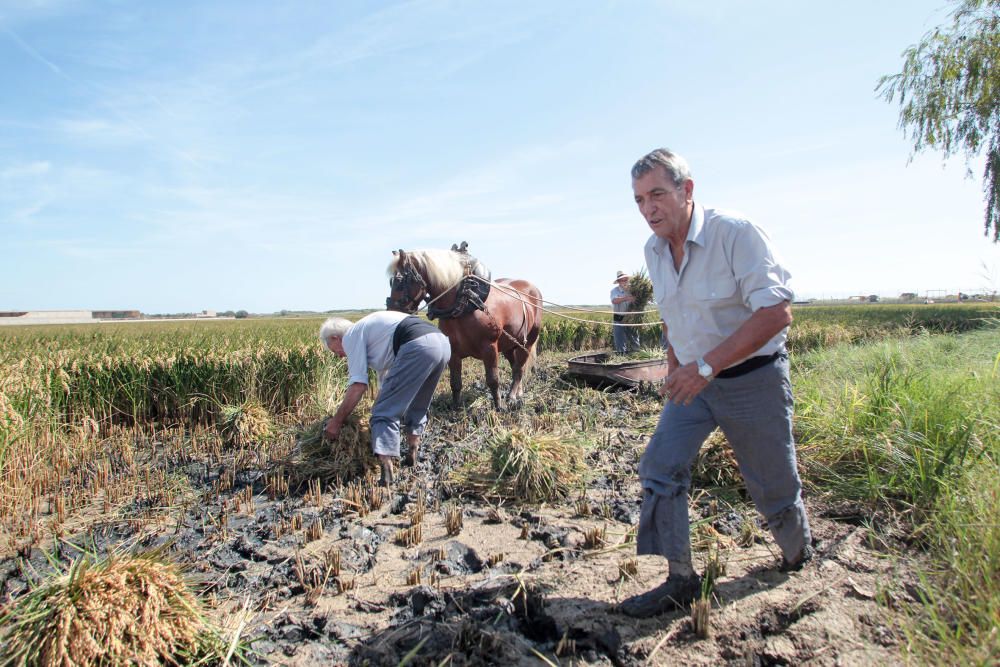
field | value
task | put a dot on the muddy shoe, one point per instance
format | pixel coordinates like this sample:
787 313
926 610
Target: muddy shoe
794 566
675 592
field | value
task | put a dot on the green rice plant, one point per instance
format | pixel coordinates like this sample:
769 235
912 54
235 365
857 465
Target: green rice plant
893 422
956 619
911 428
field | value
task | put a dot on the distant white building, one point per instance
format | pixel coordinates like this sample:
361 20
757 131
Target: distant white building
65 316
206 313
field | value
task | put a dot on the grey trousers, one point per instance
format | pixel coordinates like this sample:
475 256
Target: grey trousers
754 411
407 390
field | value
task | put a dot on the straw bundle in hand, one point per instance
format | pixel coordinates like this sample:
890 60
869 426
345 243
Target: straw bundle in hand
347 458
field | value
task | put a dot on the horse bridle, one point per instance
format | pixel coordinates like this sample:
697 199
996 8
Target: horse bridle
408 281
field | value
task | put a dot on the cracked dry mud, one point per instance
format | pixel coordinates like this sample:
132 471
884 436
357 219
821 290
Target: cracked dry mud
519 584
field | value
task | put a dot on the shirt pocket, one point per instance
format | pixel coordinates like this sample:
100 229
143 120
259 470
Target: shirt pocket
717 287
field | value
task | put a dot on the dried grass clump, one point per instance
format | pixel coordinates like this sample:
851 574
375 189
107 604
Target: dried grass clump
628 569
347 458
453 520
701 618
716 465
123 610
595 537
531 467
640 354
244 424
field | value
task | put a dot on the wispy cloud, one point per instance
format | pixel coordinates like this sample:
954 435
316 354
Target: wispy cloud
105 99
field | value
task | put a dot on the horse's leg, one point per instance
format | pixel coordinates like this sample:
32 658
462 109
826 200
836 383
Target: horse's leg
516 358
455 377
490 357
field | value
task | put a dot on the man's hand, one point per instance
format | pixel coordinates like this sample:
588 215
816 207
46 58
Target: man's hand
331 430
683 384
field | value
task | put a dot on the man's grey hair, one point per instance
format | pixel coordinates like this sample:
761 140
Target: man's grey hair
675 166
334 327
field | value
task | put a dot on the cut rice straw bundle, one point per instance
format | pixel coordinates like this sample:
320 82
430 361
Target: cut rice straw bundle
347 458
122 610
527 467
244 424
641 289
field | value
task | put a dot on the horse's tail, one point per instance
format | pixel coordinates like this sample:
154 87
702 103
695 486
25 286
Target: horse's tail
536 302
529 362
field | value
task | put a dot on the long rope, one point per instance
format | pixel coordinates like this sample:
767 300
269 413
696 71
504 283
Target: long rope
517 294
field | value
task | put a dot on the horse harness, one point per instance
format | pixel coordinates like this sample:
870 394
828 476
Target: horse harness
471 293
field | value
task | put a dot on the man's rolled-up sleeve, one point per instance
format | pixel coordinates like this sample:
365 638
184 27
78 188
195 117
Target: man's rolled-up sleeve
357 359
762 279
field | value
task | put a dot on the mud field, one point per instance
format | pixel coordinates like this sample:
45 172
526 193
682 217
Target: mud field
313 578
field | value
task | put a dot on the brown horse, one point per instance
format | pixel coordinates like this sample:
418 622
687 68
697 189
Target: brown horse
508 324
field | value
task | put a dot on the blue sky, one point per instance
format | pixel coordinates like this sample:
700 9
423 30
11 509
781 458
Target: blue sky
180 156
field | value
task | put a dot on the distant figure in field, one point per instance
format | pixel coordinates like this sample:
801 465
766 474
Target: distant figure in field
626 339
724 297
409 354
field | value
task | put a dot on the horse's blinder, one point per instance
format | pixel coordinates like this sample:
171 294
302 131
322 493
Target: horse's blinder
412 290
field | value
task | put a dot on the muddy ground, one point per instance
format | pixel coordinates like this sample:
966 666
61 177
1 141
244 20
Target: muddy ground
518 584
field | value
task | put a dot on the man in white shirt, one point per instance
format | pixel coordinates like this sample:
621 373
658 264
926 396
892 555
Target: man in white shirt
725 302
409 354
626 339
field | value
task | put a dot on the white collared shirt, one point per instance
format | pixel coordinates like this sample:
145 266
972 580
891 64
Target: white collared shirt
368 344
729 270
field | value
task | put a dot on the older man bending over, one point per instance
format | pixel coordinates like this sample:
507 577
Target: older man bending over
409 354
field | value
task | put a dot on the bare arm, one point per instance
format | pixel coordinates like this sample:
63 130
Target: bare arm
762 326
350 401
684 383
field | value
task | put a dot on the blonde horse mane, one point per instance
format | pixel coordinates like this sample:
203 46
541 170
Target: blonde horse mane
443 268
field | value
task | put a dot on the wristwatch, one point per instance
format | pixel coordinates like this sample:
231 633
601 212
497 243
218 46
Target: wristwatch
705 370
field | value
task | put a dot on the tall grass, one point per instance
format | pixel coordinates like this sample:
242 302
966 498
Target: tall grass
911 428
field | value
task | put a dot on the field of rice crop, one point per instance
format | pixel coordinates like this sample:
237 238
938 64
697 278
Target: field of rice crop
512 539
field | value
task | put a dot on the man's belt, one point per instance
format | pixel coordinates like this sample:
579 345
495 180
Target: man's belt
747 365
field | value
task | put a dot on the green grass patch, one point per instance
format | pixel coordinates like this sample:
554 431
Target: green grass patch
910 428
